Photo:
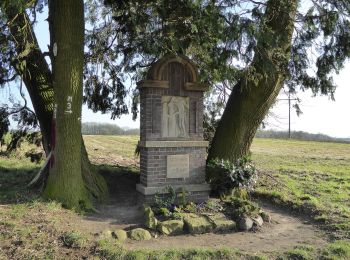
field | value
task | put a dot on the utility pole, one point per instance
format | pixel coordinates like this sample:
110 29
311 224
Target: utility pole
289 108
289 115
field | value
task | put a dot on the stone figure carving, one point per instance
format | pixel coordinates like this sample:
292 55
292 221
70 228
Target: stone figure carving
175 116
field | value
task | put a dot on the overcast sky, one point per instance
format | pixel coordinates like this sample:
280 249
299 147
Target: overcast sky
320 114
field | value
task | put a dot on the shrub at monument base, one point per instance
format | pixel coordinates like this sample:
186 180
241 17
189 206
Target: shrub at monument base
224 177
237 207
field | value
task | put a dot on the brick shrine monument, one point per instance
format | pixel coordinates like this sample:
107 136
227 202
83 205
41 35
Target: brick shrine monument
172 149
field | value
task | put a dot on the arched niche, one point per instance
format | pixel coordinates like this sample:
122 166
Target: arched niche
159 70
169 69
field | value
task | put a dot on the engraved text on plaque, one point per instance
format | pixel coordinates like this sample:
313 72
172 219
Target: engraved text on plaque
178 166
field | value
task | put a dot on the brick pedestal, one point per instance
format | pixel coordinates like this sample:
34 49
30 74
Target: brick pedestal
172 150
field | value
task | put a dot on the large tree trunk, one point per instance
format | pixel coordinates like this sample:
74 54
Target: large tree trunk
256 92
65 182
36 73
37 78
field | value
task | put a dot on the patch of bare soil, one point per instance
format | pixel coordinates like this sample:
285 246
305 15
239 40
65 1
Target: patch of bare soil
284 233
124 211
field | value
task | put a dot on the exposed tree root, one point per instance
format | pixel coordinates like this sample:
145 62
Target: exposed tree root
94 182
41 177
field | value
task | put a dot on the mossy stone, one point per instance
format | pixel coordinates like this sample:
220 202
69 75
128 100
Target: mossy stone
150 219
106 234
120 235
245 223
265 216
171 227
221 223
197 224
258 220
140 234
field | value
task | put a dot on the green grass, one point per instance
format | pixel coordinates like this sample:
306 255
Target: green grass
14 175
339 250
110 249
100 145
309 176
336 251
300 253
74 239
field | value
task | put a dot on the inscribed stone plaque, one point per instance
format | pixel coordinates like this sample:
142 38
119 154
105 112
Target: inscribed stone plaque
178 166
175 116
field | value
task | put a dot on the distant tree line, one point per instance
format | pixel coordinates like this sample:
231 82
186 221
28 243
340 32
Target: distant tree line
299 135
93 128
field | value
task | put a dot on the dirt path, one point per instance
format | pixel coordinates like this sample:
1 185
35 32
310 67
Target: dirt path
284 233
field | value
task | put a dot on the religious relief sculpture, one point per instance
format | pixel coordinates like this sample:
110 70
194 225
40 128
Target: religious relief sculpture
175 116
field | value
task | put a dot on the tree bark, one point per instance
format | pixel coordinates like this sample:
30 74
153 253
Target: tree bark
65 181
37 78
256 92
36 75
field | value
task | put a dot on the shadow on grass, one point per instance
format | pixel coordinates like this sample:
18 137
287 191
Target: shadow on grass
15 176
13 184
121 183
123 206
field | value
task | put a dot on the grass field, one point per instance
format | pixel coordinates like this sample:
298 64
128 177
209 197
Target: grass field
99 145
310 178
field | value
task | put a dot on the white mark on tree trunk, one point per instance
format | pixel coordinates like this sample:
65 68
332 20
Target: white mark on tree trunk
69 105
55 111
54 49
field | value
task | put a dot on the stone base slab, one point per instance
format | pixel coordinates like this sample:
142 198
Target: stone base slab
194 192
178 188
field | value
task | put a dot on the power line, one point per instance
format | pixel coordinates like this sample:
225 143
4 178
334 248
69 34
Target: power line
289 108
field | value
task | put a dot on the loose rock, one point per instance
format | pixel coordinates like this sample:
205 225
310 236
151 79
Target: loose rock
150 219
197 224
221 223
171 227
140 234
245 223
258 220
106 234
120 235
265 216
